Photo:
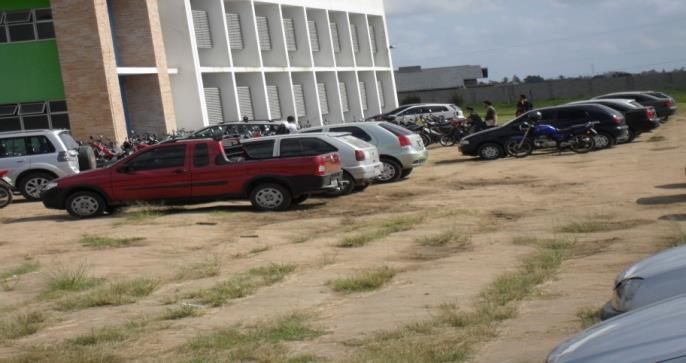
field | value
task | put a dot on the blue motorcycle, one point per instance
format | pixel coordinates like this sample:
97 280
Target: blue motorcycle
579 138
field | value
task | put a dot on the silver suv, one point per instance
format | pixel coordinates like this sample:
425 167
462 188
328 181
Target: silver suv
35 157
409 113
400 149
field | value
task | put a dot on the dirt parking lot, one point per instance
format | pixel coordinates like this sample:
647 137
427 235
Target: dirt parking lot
465 261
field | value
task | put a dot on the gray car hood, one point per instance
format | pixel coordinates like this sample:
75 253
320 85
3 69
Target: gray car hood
669 260
652 334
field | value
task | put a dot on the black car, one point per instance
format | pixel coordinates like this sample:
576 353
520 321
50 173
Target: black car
664 104
490 144
640 119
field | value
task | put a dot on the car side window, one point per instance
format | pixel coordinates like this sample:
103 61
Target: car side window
355 131
304 147
201 156
260 150
39 145
313 131
441 109
14 147
569 117
160 158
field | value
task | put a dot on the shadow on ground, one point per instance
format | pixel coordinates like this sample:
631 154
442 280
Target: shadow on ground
672 186
674 218
662 200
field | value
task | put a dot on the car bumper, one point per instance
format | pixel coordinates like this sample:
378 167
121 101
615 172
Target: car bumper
414 158
608 311
365 173
53 198
622 134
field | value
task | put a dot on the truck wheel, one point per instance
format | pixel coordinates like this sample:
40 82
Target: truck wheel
85 205
271 197
32 185
87 158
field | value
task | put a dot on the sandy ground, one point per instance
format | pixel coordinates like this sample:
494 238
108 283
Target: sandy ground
491 201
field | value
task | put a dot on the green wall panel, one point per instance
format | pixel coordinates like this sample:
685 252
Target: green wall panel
30 71
23 4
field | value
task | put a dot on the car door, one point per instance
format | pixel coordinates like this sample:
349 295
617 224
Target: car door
568 117
160 173
13 155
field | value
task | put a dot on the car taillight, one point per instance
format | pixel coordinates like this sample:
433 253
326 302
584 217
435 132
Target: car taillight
360 155
3 173
669 103
650 113
618 120
404 141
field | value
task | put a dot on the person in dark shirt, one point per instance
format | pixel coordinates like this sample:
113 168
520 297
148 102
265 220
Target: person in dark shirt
523 105
477 124
491 118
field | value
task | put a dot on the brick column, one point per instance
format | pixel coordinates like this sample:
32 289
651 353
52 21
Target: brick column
140 43
89 69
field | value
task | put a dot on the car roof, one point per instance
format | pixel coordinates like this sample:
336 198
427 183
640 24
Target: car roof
296 136
29 132
623 101
344 125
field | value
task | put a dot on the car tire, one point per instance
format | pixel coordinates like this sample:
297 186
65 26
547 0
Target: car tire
604 140
300 200
271 198
349 186
87 158
406 173
392 171
85 204
5 197
632 136
490 151
31 185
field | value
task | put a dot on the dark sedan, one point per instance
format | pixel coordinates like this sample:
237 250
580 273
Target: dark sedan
663 103
611 126
640 119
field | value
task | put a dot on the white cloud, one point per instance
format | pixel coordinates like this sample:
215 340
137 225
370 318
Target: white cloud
406 7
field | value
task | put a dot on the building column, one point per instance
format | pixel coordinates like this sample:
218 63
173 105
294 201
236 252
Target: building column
89 68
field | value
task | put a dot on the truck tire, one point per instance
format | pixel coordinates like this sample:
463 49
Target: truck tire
85 204
87 158
32 184
271 198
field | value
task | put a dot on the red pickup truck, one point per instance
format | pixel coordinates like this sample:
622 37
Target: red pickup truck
198 171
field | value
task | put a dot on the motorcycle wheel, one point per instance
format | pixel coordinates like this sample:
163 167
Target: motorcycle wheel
426 139
519 149
5 197
582 144
447 140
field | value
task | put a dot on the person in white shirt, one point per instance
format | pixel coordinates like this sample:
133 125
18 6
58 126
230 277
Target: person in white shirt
291 125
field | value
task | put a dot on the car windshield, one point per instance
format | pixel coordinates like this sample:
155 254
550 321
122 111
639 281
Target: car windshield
352 140
68 141
658 94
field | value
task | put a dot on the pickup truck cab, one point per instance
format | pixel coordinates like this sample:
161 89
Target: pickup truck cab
198 171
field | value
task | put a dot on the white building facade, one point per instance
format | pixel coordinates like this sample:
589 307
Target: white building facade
321 61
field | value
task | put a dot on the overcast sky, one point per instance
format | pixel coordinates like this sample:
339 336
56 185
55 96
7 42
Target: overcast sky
546 37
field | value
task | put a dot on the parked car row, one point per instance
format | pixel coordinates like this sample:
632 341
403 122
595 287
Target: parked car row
645 320
617 118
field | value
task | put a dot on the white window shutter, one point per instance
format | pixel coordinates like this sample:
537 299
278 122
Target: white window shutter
344 97
323 99
314 36
263 33
245 102
372 33
356 39
233 22
213 101
363 95
382 97
299 95
336 38
274 101
289 29
201 23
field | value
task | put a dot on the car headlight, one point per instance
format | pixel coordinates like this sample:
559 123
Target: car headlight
50 185
625 292
464 142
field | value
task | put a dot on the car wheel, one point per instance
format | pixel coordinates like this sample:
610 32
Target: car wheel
391 171
406 173
85 205
5 197
490 151
347 187
32 185
271 197
300 200
603 141
632 136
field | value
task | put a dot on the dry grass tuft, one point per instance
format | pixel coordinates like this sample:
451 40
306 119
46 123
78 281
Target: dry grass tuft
369 280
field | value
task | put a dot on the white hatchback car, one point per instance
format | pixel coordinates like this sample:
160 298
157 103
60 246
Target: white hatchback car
35 157
409 113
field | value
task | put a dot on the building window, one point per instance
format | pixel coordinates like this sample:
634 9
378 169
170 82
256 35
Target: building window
201 23
245 102
34 116
323 98
314 36
356 39
363 95
233 22
263 33
336 38
299 94
289 29
26 25
344 96
274 101
372 34
213 102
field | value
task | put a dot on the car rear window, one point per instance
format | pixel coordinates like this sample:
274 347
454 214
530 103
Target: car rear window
260 150
659 94
355 131
68 141
395 129
305 147
354 141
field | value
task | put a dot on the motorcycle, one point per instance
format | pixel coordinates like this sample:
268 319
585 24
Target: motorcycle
6 196
458 132
579 138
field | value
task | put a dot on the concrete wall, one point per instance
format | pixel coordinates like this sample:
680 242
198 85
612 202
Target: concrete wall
568 88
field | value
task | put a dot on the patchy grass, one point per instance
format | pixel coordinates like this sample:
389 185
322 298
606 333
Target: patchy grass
440 245
368 280
451 237
114 294
21 325
180 312
454 335
108 242
262 342
9 279
588 317
260 249
242 285
141 214
656 138
200 270
65 279
300 240
381 229
598 225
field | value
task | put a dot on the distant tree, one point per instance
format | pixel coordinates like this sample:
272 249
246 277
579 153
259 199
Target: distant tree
516 79
561 77
411 99
457 99
506 80
534 79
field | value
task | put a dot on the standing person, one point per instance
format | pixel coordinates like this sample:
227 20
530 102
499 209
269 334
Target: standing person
491 118
475 121
523 106
292 127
